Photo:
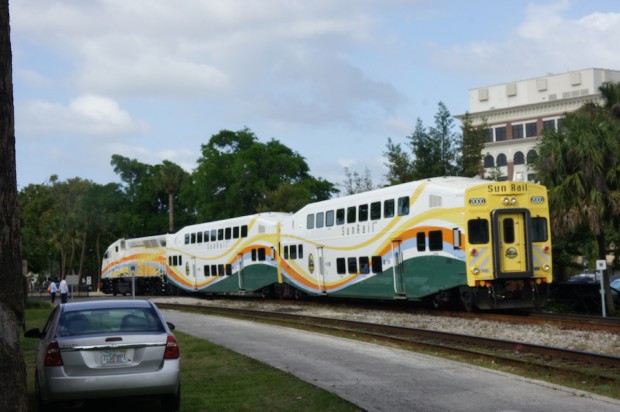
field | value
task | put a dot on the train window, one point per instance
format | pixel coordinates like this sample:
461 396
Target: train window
539 229
340 217
170 261
509 230
199 237
478 231
236 232
220 234
206 236
421 240
388 208
187 238
174 260
300 251
435 240
213 270
206 270
262 255
320 219
310 221
351 214
375 211
293 252
253 255
228 233
456 238
193 237
285 252
213 235
329 218
180 260
377 264
244 231
403 206
352 264
362 213
228 269
341 268
220 270
364 265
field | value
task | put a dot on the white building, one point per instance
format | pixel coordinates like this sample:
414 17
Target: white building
518 112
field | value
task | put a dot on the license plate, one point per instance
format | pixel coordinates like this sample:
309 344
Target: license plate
114 357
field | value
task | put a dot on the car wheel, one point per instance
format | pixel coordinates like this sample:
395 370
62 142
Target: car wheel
171 402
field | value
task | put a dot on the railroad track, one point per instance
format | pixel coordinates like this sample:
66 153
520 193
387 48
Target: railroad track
595 368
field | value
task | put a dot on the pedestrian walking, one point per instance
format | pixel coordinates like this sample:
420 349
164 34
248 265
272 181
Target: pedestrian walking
52 289
64 291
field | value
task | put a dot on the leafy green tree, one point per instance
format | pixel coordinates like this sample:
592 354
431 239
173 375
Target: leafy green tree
473 137
356 183
433 151
580 165
152 192
399 164
12 296
238 175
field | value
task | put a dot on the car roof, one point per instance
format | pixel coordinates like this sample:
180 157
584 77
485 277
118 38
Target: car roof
106 304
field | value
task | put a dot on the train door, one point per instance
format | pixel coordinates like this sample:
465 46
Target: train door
398 268
321 272
192 275
513 251
241 280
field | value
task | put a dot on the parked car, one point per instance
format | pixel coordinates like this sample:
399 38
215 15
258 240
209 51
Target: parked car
615 284
106 349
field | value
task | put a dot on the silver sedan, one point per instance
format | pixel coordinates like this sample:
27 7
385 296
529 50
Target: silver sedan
106 349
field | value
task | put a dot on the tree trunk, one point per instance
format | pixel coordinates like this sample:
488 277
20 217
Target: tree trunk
13 290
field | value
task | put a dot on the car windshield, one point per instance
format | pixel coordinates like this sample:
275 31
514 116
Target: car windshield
116 320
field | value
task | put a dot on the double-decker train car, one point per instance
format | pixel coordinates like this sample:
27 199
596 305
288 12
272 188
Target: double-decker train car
485 244
445 240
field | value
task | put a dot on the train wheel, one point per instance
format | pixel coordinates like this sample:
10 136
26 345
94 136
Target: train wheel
467 300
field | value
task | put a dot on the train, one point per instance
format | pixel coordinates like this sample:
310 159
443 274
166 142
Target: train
446 241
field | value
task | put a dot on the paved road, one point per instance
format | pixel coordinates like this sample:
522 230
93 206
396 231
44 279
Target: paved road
377 378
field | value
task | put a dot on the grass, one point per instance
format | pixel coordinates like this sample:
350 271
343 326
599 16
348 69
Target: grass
216 379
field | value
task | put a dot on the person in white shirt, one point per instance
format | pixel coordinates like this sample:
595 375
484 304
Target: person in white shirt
52 289
64 291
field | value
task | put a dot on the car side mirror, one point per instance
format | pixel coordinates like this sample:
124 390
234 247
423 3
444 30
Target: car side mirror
33 333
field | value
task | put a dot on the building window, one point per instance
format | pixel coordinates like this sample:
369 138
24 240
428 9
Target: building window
549 124
531 130
489 161
517 131
500 134
501 160
519 158
531 156
489 136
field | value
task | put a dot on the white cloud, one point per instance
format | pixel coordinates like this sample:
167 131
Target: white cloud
87 115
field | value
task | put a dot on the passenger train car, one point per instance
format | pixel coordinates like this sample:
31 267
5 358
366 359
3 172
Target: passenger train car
447 240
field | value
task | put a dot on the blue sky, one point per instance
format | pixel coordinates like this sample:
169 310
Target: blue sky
331 79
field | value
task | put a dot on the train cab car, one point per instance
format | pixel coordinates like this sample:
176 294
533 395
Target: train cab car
141 258
226 256
508 245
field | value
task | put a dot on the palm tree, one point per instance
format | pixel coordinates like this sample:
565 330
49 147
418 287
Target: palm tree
580 165
169 177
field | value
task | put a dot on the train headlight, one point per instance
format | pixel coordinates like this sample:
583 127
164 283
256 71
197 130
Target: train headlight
506 201
546 268
513 200
475 271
